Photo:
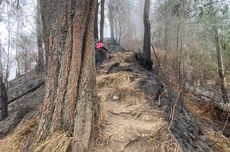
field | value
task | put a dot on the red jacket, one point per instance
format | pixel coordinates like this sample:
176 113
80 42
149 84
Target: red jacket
99 45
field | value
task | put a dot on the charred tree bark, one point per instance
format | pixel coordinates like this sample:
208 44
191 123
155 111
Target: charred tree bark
69 36
220 66
102 20
45 35
3 100
40 63
147 61
3 91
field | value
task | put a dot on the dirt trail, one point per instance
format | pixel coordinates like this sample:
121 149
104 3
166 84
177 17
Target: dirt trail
134 109
126 115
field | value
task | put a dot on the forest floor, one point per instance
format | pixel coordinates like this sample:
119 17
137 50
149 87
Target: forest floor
213 120
136 112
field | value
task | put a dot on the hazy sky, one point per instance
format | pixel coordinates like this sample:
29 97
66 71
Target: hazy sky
27 27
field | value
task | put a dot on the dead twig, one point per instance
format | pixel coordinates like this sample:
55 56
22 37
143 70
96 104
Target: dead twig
165 91
132 141
137 115
174 109
226 122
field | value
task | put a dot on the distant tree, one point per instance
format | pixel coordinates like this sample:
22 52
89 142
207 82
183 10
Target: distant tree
41 59
4 73
3 89
96 22
27 57
102 20
71 79
111 19
16 43
220 66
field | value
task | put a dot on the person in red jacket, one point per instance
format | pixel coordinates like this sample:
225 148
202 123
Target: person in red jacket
102 54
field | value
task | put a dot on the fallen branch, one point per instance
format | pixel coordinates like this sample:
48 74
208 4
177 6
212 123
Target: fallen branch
225 124
113 66
29 91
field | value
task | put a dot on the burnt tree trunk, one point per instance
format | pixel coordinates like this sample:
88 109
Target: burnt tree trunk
3 100
3 91
68 26
40 62
147 61
102 20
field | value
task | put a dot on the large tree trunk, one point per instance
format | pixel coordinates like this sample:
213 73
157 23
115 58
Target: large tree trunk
147 61
41 62
70 84
102 20
220 66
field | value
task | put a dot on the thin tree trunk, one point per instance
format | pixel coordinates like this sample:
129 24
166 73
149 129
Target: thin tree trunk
178 51
9 46
166 30
102 20
115 31
147 38
96 22
220 66
111 28
41 62
219 56
166 36
3 99
25 65
17 52
111 21
120 33
3 91
71 80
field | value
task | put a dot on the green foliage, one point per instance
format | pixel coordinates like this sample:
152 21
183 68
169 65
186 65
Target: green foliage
217 14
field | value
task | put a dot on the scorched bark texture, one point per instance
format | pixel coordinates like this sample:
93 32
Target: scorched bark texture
70 83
